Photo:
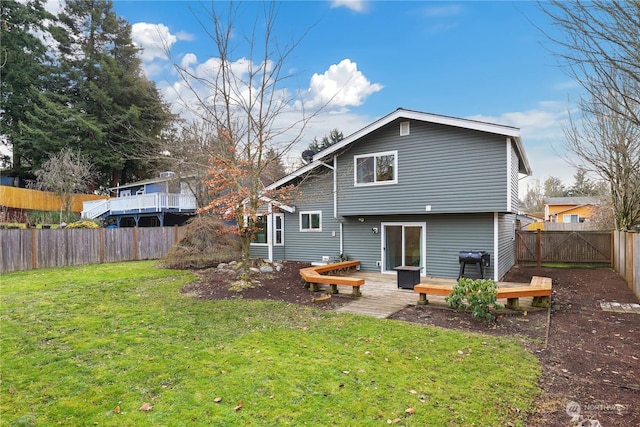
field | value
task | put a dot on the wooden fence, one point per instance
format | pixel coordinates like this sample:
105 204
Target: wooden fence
626 258
24 198
30 249
579 247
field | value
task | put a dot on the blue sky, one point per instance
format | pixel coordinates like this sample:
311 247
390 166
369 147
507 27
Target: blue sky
468 59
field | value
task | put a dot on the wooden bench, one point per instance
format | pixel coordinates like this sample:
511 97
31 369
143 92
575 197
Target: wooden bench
314 276
539 289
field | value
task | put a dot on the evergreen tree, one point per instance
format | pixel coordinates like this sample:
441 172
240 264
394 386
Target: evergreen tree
101 65
23 75
553 187
327 141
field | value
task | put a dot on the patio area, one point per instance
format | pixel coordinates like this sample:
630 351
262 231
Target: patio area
381 296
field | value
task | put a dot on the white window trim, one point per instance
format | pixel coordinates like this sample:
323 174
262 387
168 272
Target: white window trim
267 231
281 216
374 155
569 217
271 231
310 230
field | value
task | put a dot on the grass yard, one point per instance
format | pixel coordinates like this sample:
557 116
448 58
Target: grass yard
93 345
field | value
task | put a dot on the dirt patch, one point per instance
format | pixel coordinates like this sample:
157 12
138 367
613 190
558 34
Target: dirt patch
284 285
591 357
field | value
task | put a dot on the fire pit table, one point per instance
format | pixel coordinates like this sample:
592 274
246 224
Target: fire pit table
408 276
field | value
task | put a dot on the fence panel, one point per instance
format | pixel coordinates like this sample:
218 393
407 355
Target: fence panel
564 246
16 250
155 243
22 249
119 244
636 264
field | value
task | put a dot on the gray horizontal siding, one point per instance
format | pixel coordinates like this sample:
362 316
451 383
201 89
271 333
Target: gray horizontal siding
506 243
447 235
513 185
314 194
453 170
259 251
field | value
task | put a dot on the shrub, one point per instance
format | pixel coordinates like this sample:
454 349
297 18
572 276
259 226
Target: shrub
50 217
476 295
83 224
207 242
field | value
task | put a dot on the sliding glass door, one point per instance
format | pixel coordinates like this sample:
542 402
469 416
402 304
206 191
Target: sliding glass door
403 244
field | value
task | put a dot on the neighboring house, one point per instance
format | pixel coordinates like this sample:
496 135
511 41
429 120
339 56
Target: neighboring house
569 210
527 221
161 201
409 189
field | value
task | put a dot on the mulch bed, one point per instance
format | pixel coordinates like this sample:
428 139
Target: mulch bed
589 357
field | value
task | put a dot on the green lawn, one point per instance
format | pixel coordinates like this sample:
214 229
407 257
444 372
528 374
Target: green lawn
91 345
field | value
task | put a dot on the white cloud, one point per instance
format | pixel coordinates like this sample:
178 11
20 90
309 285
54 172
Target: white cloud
543 139
355 5
154 39
539 124
341 86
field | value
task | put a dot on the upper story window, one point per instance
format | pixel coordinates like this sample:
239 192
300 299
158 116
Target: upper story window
311 221
377 168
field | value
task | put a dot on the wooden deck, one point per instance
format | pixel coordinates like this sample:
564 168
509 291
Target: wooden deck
382 297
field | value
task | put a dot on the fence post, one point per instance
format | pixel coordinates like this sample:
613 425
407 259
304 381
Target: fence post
34 249
101 246
136 251
539 249
175 234
613 250
629 265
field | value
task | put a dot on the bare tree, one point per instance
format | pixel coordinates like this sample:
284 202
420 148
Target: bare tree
65 173
608 144
241 97
189 151
599 45
532 201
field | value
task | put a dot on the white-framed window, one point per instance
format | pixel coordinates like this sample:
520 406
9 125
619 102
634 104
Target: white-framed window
376 168
263 229
311 221
278 229
566 218
404 128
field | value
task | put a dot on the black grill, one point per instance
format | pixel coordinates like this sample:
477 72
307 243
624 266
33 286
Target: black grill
481 259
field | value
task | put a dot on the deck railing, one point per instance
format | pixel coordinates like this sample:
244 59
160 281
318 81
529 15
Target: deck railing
154 202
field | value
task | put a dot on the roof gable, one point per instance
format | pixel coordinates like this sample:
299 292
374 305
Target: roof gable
507 131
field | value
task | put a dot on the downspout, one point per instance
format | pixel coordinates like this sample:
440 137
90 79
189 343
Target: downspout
270 225
335 189
496 245
335 201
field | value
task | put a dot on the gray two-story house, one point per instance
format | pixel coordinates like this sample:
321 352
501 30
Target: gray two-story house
409 189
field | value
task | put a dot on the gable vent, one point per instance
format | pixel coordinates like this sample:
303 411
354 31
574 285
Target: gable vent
404 128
